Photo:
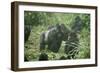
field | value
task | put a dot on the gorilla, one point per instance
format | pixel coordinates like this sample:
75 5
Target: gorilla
53 37
72 42
78 24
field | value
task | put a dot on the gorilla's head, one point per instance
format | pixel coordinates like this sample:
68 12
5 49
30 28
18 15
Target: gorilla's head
77 25
64 31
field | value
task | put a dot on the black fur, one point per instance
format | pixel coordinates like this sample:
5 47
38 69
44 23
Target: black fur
53 39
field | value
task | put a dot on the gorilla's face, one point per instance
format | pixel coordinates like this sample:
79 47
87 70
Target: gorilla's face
61 31
64 31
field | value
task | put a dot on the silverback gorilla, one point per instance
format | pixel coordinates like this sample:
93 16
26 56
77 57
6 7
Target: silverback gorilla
53 37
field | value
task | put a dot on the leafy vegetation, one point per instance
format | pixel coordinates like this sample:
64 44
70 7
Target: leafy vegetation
39 22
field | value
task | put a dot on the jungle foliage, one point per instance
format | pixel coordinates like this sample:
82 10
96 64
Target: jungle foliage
37 22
